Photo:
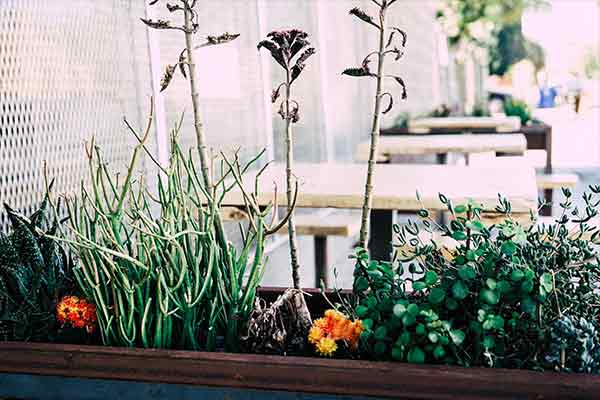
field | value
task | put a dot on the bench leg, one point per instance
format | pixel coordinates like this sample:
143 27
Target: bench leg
546 211
380 243
321 261
441 158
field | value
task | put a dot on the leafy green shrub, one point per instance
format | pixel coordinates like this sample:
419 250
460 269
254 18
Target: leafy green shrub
518 108
492 298
34 274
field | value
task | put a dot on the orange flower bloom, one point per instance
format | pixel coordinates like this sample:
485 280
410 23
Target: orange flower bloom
77 312
332 327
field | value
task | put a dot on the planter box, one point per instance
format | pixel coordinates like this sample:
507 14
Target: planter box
272 375
53 371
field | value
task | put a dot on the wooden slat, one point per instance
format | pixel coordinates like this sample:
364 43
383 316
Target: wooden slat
329 225
556 181
332 185
500 124
442 144
293 374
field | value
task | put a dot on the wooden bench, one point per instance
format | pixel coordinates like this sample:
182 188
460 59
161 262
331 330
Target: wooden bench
556 181
441 145
321 226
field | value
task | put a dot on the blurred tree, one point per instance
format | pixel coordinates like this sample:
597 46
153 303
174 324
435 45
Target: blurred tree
494 25
512 47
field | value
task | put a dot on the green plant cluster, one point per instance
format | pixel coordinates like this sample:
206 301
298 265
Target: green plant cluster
518 108
34 274
155 265
492 296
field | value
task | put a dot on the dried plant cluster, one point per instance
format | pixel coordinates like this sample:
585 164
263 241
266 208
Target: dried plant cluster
392 41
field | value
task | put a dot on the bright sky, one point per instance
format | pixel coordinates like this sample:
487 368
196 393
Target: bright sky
564 30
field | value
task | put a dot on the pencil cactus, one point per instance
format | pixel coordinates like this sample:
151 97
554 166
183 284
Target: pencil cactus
391 43
34 272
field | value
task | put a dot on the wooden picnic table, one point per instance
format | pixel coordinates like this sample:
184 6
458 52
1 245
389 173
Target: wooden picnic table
341 185
499 124
441 145
537 135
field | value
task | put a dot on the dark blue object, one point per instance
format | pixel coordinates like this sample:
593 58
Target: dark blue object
547 97
17 386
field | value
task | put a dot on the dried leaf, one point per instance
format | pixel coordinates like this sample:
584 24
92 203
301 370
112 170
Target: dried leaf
181 63
281 111
275 94
401 33
224 38
357 72
297 69
158 24
275 51
167 77
173 7
357 12
401 83
390 104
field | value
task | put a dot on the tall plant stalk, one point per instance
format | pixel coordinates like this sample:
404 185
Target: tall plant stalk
289 167
290 49
386 47
186 59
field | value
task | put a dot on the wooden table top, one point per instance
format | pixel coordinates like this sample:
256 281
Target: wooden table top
501 124
337 185
449 143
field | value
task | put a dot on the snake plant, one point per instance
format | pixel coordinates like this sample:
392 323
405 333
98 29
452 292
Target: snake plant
34 271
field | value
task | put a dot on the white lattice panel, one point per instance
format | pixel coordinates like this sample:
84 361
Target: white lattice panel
69 69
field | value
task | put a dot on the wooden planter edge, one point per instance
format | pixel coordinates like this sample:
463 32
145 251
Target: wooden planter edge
296 374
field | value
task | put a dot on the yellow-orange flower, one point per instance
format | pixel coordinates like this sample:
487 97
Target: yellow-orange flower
332 327
315 334
77 312
326 347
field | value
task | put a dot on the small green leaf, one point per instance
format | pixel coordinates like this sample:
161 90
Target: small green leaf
439 352
420 329
413 309
516 275
527 286
451 304
489 296
459 235
361 311
475 225
433 337
397 353
459 209
431 277
416 356
419 285
436 295
379 348
380 333
491 283
467 273
528 305
460 290
546 282
399 310
457 337
508 248
489 342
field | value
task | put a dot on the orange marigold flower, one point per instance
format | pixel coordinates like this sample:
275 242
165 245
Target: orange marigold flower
315 334
326 347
